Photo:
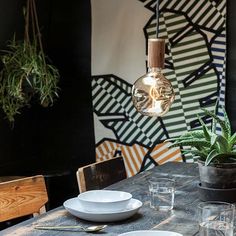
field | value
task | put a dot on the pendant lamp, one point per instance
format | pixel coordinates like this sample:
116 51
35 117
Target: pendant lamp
152 93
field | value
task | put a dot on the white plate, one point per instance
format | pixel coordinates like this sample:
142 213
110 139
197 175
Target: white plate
150 233
73 206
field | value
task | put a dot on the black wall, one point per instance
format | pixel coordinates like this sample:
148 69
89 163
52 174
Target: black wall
58 139
231 62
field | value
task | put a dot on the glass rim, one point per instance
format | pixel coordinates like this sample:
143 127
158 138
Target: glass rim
203 205
160 179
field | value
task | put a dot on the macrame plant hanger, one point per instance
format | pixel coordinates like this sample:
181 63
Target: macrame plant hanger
31 18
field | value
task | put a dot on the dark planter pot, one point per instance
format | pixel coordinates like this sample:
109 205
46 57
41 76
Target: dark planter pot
213 194
217 176
217 182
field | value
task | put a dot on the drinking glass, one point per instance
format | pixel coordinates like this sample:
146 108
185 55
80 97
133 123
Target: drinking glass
216 218
162 193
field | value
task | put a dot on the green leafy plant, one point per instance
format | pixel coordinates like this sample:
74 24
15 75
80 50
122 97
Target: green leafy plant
207 144
26 76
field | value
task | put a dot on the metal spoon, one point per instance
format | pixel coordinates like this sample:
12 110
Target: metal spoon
68 227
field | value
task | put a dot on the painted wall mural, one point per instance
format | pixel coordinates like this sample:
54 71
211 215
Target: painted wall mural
195 36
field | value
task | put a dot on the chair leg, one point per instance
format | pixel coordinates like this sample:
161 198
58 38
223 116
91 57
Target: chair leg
41 211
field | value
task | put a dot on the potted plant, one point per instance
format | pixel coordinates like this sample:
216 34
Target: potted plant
26 75
216 157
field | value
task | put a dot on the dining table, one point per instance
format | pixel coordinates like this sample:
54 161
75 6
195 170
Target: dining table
182 219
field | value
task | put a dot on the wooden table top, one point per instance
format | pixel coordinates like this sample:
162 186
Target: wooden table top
182 219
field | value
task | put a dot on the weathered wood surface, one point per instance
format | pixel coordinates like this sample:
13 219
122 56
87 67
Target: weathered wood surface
101 174
182 219
21 197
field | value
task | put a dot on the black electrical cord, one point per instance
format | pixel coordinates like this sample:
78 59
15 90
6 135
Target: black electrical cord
157 18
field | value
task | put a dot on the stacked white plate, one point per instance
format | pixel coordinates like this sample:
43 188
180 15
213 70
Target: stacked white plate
103 205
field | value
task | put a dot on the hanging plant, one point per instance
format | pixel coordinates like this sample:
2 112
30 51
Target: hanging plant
26 75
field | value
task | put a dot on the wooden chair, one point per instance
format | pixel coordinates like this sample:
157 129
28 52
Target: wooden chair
101 174
22 197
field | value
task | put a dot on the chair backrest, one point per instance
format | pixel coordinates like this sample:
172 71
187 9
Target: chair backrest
22 197
101 174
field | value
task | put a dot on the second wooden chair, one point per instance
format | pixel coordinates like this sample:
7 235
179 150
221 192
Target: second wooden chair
101 174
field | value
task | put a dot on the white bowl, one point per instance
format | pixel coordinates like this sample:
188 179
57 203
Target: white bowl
150 233
104 200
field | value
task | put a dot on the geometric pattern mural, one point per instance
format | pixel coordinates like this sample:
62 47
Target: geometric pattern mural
195 36
135 155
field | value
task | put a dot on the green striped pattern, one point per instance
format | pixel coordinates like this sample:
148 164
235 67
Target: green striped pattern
112 103
189 55
201 12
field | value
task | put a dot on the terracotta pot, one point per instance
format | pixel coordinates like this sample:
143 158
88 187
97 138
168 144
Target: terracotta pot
218 176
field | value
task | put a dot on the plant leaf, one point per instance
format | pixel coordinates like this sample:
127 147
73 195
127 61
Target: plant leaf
232 140
195 152
205 130
197 143
222 143
188 135
213 129
213 139
227 122
210 157
221 122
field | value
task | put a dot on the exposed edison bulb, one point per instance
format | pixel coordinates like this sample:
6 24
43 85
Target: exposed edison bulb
153 94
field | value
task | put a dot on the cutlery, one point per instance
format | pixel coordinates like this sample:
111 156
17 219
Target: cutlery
68 227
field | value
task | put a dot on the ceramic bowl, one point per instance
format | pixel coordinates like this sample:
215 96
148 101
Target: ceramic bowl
150 233
104 200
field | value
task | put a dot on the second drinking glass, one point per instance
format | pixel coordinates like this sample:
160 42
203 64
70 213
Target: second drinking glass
162 193
216 218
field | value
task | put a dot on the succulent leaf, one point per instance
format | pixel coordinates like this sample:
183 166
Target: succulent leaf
195 152
227 122
223 144
221 122
210 157
213 139
206 131
207 144
197 143
232 140
213 129
189 135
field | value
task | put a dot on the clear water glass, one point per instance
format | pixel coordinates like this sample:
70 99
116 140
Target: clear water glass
216 218
162 193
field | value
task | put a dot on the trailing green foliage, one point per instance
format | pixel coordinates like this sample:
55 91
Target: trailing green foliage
207 144
26 76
